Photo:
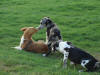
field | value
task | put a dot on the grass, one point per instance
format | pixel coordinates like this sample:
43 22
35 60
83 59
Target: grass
78 20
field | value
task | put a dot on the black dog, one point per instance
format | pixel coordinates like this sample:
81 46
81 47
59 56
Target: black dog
52 34
77 56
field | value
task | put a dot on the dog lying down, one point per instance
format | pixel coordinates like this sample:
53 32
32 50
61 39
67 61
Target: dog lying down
77 56
28 44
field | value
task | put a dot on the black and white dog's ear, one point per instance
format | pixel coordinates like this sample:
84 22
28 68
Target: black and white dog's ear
69 43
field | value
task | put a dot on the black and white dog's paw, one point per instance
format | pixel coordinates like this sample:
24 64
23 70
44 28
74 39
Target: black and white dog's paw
72 63
64 66
80 71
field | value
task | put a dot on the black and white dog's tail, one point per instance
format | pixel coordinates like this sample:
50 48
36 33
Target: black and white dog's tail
97 65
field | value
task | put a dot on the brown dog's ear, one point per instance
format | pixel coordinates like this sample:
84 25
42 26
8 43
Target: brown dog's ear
23 29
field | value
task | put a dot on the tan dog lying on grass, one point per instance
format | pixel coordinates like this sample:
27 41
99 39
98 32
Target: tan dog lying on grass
28 44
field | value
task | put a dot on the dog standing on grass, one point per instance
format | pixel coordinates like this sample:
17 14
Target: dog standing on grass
53 33
77 56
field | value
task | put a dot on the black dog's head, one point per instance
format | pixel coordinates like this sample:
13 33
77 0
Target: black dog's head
45 22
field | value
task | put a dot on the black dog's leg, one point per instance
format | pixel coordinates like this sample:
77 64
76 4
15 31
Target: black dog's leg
54 45
49 49
54 48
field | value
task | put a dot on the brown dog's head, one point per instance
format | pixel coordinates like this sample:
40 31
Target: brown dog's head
29 30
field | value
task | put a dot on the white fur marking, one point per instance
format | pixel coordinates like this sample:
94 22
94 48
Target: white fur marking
65 55
80 71
84 62
46 38
65 59
72 63
44 55
63 45
17 47
22 41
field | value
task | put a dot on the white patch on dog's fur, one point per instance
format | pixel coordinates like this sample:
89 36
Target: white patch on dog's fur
63 45
66 55
65 59
22 41
80 71
84 62
72 63
17 47
44 55
46 39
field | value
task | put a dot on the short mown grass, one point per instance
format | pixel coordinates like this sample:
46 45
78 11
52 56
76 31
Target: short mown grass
78 20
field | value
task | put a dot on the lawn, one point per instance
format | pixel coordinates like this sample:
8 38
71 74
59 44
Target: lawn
78 20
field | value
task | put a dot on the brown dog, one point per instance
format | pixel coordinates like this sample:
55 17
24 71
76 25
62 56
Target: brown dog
28 44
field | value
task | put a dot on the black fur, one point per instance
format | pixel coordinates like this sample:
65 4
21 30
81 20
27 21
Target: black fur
56 44
76 55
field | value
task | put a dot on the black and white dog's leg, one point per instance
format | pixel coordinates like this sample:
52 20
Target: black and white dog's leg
65 59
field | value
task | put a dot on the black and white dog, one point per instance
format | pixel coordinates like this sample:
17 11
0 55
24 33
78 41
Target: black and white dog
52 34
77 56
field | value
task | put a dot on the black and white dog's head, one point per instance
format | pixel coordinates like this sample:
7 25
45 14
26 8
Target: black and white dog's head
60 45
45 22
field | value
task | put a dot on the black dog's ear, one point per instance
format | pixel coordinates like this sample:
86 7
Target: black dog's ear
48 21
69 43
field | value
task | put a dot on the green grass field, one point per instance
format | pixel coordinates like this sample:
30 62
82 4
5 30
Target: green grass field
78 20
